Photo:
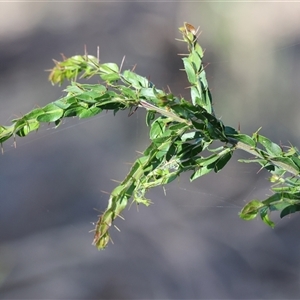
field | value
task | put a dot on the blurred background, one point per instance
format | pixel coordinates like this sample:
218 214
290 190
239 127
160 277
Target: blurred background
190 244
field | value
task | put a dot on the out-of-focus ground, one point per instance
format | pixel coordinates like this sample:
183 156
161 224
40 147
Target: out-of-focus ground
190 244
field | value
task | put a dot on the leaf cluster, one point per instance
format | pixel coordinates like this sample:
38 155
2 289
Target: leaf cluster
182 132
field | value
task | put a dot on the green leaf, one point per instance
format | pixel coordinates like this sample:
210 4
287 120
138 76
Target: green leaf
157 128
73 111
199 126
51 113
171 152
286 160
150 117
148 94
293 181
191 74
290 210
273 199
201 172
5 133
30 126
292 151
96 88
271 147
74 88
164 146
230 131
196 96
296 160
222 161
187 151
87 113
109 68
190 136
89 96
265 217
135 80
205 161
176 127
244 139
70 68
34 113
59 103
196 60
110 77
127 92
69 100
205 165
250 210
109 72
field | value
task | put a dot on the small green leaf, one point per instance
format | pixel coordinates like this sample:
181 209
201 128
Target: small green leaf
109 72
277 206
191 74
87 113
5 133
222 161
292 151
110 77
171 152
51 113
196 60
109 68
286 160
250 210
89 96
199 126
148 94
69 100
61 104
205 161
201 172
141 200
150 117
34 113
189 136
127 92
198 49
205 164
296 160
271 147
244 139
73 111
290 210
196 96
273 199
74 88
135 80
265 217
28 127
157 128
96 88
178 126
230 131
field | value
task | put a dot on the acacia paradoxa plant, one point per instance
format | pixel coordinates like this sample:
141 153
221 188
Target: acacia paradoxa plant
180 130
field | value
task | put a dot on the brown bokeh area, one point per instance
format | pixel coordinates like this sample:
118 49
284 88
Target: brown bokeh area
190 244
